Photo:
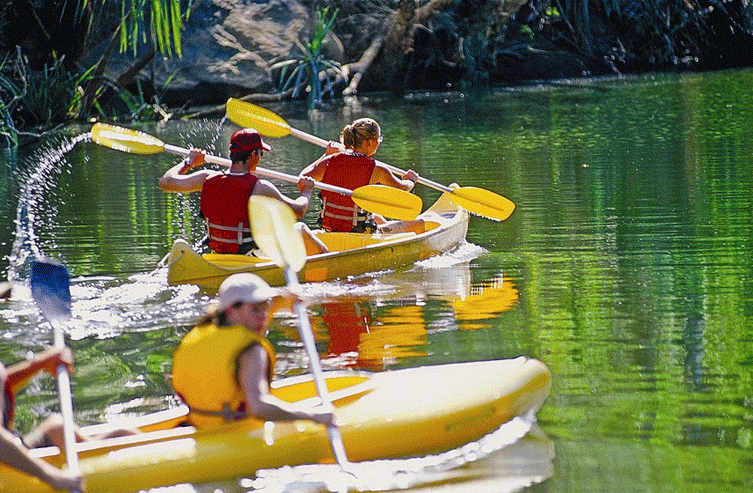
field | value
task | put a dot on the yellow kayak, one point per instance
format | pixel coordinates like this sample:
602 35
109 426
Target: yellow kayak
350 253
391 414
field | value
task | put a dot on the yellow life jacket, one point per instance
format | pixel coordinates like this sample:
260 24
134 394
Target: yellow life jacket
205 372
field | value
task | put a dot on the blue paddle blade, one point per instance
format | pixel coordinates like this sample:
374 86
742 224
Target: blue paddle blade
50 287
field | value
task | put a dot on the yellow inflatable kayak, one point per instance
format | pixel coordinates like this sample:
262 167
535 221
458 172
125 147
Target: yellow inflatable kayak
350 253
391 414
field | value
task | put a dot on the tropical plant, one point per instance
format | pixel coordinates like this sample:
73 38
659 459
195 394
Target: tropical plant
33 98
9 93
158 21
142 108
53 94
309 69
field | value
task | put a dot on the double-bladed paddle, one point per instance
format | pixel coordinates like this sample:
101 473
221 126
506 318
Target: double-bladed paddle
272 226
386 201
50 287
476 200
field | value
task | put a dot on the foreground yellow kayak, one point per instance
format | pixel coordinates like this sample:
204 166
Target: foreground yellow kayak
391 414
350 253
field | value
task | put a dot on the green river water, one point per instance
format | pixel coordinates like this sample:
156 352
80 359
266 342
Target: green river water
627 268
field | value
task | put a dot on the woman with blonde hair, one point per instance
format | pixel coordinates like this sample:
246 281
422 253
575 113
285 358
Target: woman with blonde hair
348 164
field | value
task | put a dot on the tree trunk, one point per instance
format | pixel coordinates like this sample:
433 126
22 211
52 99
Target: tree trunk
398 45
392 67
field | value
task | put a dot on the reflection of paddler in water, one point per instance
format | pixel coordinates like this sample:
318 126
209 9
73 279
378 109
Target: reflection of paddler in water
345 322
361 338
358 342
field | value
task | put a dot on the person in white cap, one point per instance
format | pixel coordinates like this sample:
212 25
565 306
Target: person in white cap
225 194
222 369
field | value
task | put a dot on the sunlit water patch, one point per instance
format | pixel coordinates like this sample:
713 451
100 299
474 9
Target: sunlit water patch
447 274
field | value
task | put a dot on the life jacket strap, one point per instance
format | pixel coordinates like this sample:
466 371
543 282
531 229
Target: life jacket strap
331 210
243 234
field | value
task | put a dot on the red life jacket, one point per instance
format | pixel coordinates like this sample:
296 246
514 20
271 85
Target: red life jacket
345 170
224 204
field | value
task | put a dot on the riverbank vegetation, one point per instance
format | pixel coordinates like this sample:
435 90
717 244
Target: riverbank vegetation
42 80
48 75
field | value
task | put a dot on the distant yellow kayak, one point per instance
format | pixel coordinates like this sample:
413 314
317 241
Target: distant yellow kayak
350 253
391 414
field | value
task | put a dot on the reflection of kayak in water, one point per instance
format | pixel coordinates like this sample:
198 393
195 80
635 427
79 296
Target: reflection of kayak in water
484 302
350 253
400 413
509 467
361 338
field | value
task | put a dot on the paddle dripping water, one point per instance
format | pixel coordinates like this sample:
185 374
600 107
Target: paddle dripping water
36 210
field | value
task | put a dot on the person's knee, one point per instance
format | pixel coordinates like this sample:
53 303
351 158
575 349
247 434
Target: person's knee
313 244
48 433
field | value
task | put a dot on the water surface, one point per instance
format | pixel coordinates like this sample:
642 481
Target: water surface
626 268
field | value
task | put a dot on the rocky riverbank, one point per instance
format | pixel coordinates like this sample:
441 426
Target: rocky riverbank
229 47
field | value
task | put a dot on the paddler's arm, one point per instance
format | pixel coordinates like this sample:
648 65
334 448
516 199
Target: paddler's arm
383 176
252 375
19 374
13 453
177 180
299 205
316 169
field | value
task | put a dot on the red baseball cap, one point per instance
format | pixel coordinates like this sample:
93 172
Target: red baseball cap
247 139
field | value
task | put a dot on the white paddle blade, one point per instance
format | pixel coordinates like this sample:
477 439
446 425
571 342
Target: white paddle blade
274 231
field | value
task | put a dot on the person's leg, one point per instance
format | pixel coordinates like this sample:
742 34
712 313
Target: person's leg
313 244
50 432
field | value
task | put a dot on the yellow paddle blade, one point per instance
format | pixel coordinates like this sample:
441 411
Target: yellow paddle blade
483 202
273 229
126 140
388 201
264 121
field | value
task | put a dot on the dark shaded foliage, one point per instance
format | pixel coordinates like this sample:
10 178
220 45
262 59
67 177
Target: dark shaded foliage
643 35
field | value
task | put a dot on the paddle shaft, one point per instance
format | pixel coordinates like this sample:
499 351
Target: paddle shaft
66 402
323 143
182 151
50 288
307 337
66 410
476 200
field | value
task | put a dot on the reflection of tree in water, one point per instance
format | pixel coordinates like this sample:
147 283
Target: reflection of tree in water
692 341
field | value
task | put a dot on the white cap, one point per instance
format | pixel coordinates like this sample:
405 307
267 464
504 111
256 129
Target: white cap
247 288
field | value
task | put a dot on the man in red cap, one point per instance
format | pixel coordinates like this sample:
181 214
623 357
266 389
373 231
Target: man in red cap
225 194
